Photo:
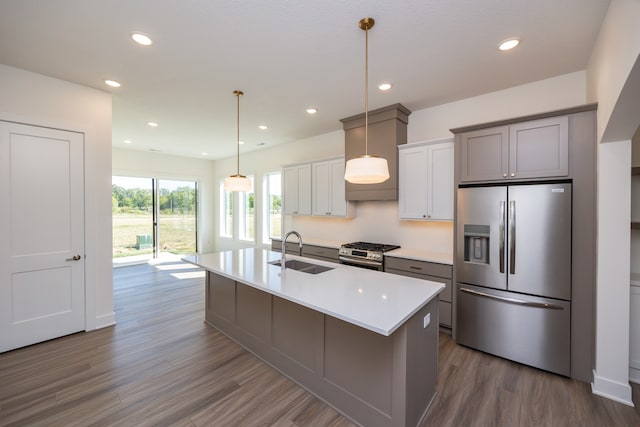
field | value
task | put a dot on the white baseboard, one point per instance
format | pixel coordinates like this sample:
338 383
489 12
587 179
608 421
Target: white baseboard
105 320
634 375
612 390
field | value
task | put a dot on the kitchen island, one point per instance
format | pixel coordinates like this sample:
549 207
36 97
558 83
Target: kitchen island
363 341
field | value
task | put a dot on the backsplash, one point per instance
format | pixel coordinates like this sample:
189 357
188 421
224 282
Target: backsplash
376 222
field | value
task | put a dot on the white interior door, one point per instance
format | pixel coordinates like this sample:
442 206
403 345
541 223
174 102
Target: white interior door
42 288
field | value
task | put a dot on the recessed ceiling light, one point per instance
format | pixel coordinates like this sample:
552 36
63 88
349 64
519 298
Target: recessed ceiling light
141 38
263 127
312 110
384 86
204 154
112 83
241 142
153 124
509 44
126 141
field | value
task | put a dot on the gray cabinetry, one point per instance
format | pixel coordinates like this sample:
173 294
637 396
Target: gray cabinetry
290 247
436 272
387 129
374 379
533 149
320 252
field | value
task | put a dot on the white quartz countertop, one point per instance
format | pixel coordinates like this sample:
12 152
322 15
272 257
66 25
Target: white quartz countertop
380 302
420 255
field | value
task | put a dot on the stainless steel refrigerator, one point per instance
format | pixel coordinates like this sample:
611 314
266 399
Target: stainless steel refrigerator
513 272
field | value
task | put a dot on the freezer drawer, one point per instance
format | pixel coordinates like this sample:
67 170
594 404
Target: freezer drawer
530 330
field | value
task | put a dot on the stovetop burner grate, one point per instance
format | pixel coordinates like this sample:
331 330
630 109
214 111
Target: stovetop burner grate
366 246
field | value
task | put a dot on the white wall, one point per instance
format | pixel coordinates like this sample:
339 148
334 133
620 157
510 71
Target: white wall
156 165
35 99
556 93
430 123
613 79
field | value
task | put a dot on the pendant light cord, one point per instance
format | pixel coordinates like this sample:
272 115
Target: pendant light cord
366 91
238 94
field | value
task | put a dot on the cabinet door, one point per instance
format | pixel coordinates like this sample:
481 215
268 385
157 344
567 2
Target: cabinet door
484 154
440 183
296 190
290 190
413 180
321 191
304 189
336 184
539 148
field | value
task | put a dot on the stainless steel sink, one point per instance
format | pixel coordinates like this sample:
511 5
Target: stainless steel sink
305 267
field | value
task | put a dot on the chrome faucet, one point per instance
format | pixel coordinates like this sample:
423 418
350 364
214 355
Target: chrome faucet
283 261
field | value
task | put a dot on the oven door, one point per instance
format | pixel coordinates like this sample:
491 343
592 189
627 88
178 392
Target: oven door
362 263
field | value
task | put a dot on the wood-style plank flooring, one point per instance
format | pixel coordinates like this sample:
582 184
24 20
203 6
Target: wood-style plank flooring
162 366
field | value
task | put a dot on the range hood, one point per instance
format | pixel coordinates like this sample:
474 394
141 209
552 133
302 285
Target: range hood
387 130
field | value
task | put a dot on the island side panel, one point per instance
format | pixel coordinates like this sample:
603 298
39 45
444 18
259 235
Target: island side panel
421 362
373 379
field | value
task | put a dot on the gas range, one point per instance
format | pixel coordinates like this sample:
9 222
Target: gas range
364 254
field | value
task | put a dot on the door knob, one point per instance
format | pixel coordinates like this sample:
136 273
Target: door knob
74 258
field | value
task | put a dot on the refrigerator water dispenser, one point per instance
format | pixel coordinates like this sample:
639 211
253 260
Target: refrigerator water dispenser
476 243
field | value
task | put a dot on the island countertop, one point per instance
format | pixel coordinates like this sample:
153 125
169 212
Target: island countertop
380 302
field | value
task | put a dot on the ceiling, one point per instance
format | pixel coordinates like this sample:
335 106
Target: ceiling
286 56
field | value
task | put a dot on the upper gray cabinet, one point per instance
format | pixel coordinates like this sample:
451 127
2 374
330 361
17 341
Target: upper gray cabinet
533 149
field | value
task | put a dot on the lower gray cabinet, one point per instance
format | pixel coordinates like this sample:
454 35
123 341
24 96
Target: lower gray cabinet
436 272
320 252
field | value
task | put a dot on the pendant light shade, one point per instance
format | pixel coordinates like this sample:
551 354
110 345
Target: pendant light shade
237 182
366 169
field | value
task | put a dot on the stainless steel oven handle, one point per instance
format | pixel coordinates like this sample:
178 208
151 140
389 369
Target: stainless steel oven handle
501 240
513 300
359 261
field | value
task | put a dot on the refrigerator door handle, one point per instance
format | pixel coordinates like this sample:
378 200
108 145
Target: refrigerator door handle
501 241
512 237
513 300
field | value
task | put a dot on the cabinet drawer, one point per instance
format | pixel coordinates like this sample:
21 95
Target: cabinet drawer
320 252
445 295
445 313
419 267
291 247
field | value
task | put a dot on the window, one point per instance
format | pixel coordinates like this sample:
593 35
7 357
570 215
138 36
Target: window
272 211
226 212
247 217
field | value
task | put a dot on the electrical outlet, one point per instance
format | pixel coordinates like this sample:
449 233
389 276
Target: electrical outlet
427 320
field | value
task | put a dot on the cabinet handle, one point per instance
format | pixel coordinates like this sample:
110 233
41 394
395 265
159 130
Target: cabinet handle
74 258
424 216
413 267
327 213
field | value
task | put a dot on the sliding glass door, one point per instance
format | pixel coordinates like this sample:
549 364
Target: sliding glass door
152 217
177 222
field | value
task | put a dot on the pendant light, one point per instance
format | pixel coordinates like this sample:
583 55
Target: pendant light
366 169
237 182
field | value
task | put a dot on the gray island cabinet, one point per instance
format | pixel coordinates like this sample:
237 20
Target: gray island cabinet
364 342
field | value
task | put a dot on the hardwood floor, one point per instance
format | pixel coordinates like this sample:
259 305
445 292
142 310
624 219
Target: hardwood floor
161 365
